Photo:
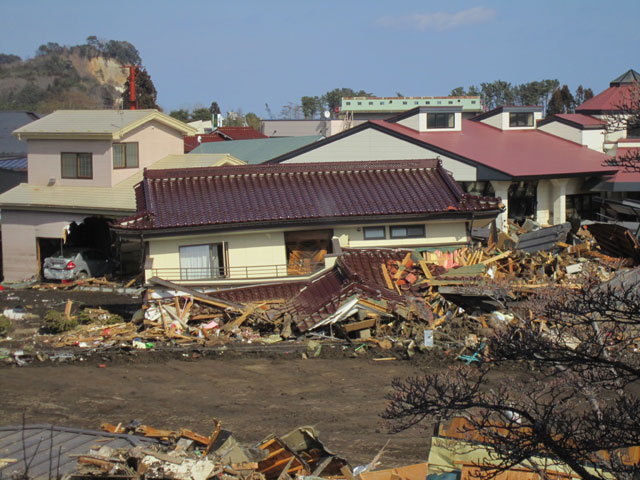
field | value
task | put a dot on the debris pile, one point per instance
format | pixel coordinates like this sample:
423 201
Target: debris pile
187 455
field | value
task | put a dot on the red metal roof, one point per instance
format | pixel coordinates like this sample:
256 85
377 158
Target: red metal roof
220 135
609 100
281 194
585 120
517 153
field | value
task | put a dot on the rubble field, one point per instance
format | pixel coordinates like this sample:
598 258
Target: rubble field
252 397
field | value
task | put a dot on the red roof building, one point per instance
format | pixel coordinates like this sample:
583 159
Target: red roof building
221 134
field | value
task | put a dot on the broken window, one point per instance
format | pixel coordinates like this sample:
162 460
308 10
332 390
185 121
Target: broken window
306 250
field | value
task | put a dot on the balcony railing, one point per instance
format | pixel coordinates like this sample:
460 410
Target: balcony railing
237 273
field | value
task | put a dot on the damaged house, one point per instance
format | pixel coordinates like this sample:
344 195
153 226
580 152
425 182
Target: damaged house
252 224
82 166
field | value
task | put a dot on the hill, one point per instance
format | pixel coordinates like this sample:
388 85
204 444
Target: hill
69 77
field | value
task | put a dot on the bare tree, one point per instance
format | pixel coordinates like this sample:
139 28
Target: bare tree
626 117
573 391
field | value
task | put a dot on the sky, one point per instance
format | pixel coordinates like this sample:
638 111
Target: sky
245 54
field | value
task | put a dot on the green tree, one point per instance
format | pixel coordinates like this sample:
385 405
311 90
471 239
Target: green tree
497 93
568 101
252 120
214 108
146 93
49 49
182 115
582 95
123 52
556 104
5 58
200 114
457 92
310 106
333 99
291 111
234 119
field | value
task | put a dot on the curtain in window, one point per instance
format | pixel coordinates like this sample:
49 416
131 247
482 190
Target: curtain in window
85 167
69 165
118 155
132 155
199 262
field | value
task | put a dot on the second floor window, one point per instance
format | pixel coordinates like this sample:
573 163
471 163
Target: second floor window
520 119
440 120
77 165
125 155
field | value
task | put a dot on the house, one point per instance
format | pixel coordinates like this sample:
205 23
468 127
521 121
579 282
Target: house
81 165
357 110
221 134
258 150
499 153
243 224
600 124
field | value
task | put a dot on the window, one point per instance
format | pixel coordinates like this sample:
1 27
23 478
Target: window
439 102
404 103
450 102
416 102
125 155
520 119
359 103
375 233
407 231
381 103
77 165
370 103
428 102
348 103
440 120
202 262
473 102
633 130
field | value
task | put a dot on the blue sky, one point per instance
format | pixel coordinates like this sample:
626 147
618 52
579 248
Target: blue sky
244 54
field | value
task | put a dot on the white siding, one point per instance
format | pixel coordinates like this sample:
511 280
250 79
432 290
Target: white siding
372 145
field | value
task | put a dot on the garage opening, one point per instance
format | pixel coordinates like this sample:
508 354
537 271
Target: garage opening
306 250
94 245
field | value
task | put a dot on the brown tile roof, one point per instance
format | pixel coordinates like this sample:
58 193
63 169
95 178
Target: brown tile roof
220 135
269 195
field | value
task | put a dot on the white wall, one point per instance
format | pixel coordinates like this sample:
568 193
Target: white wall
371 145
592 139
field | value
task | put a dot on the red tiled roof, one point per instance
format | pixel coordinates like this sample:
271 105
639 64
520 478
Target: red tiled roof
280 194
220 135
517 153
609 100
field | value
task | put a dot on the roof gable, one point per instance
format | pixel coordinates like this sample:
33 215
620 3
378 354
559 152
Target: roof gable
111 124
224 197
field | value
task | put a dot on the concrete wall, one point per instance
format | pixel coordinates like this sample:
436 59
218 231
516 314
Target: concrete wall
501 121
267 248
418 123
370 145
44 161
19 232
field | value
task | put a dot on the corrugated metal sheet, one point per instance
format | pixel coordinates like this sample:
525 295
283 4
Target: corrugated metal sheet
19 163
49 449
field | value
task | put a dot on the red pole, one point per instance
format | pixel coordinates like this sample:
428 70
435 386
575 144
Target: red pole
132 88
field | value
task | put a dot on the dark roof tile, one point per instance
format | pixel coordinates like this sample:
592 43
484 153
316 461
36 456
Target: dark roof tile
283 193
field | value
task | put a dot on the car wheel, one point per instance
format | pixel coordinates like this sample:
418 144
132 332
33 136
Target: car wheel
82 276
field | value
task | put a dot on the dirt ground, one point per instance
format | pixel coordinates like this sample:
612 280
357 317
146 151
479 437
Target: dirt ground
252 397
252 394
